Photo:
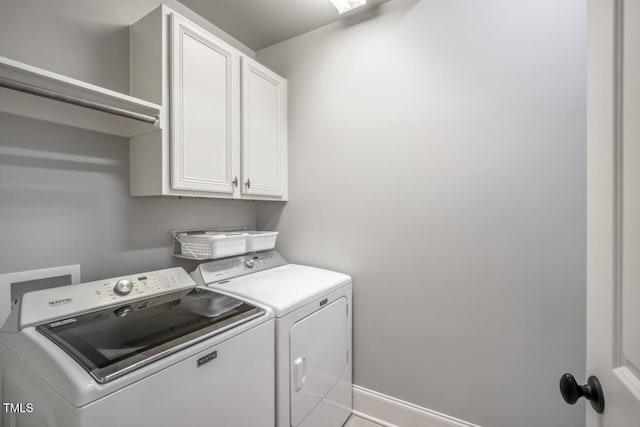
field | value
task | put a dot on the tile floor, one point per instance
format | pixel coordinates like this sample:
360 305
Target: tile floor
355 421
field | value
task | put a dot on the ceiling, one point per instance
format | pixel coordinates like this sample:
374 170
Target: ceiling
262 23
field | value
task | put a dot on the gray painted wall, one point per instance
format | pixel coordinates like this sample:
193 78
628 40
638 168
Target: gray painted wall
64 195
84 39
437 154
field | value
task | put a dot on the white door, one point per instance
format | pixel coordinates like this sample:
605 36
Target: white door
613 210
318 357
204 110
264 130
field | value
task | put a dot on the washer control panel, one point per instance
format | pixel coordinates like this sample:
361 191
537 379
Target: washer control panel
66 301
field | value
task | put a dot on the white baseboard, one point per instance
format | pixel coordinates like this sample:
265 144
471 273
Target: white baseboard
391 412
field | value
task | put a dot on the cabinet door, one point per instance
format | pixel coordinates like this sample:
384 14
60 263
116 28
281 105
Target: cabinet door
204 109
264 131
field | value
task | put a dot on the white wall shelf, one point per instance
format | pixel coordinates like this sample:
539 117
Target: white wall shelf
21 103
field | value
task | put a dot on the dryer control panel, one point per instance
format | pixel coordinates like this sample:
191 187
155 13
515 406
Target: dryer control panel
227 269
66 301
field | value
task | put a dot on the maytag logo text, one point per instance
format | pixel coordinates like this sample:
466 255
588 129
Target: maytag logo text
60 301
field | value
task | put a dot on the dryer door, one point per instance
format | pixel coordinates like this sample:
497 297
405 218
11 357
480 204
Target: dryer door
318 358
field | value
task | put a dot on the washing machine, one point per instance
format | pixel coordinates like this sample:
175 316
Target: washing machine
313 343
148 350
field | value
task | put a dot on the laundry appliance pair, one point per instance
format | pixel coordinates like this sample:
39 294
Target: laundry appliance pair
164 349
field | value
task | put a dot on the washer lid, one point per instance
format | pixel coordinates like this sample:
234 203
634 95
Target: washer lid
285 288
111 343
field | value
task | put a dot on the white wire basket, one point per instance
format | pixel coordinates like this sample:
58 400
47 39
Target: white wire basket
261 240
209 243
213 243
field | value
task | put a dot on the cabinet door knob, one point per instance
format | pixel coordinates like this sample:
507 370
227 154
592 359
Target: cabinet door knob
235 181
592 391
248 183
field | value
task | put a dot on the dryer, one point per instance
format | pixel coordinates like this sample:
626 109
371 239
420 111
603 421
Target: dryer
312 309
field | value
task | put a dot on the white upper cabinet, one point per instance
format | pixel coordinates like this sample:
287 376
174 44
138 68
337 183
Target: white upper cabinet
211 144
264 131
204 105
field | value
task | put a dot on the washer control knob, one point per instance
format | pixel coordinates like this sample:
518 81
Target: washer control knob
123 287
249 263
